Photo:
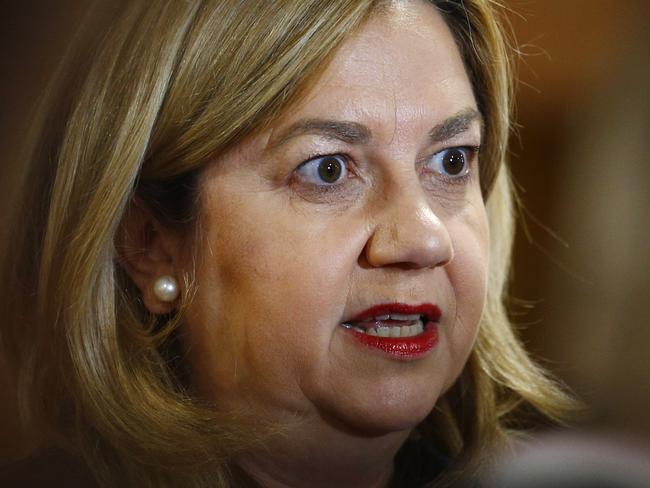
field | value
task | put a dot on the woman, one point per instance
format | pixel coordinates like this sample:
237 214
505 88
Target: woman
267 251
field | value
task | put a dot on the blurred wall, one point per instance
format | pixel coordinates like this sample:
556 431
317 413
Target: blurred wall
579 159
582 256
33 37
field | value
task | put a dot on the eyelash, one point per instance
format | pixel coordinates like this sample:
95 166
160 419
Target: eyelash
470 153
343 158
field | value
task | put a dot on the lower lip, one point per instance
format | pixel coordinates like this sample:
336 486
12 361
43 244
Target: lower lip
402 347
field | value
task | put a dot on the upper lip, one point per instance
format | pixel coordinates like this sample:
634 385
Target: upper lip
428 310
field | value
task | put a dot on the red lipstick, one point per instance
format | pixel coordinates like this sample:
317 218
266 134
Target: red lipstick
399 347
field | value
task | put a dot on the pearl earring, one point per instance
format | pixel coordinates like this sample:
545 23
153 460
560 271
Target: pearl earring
166 289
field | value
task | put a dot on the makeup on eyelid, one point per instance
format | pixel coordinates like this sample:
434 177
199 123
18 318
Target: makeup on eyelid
329 172
291 253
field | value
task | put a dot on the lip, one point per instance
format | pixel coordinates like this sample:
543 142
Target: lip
431 311
400 347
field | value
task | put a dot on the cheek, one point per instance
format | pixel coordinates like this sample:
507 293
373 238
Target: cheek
468 279
271 286
468 274
285 270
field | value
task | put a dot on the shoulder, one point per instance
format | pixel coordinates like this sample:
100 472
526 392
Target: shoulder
51 468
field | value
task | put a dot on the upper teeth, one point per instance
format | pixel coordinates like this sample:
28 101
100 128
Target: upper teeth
395 331
415 327
398 316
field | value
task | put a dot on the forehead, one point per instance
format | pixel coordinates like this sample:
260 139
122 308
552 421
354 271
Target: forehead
402 65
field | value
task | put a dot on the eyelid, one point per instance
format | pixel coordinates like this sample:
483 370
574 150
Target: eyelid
470 152
319 155
311 159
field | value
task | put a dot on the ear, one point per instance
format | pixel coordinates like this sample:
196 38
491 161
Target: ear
147 251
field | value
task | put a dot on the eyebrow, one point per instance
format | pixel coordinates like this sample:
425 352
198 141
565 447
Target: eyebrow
350 132
454 125
356 133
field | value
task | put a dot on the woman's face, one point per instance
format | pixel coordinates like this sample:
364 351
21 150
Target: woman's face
366 194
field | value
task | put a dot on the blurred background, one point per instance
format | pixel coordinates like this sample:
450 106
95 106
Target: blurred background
581 162
580 159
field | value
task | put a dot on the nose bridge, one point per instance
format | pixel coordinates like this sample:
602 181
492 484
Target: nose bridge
408 232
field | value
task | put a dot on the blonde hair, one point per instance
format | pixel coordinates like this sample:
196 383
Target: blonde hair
170 87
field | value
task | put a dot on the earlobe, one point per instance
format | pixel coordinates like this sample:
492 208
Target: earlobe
148 253
166 289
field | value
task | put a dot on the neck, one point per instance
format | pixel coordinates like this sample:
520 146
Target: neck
317 454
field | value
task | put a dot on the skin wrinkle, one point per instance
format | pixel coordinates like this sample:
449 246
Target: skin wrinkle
450 204
395 119
270 262
355 133
285 263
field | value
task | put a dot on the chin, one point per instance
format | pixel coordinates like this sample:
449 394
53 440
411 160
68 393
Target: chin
385 412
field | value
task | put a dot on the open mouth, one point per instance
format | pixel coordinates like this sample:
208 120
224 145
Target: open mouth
402 331
394 320
390 325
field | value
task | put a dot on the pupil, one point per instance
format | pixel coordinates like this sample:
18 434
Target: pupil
329 170
454 162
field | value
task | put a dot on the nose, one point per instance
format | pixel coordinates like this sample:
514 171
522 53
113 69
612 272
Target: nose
408 234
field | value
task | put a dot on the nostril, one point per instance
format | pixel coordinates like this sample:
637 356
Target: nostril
446 261
408 247
408 234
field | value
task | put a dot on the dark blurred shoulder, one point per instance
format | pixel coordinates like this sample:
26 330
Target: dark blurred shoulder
48 468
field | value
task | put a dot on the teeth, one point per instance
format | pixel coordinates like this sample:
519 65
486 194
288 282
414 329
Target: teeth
399 316
384 331
383 317
416 328
393 331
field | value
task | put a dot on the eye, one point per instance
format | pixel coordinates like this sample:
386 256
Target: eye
452 162
324 170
